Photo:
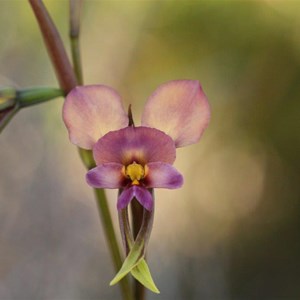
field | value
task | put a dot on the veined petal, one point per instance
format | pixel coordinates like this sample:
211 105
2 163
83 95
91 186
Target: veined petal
162 175
125 197
180 109
139 144
106 176
143 196
140 193
89 112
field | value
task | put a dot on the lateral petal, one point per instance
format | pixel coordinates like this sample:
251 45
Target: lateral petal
162 175
106 176
91 111
180 109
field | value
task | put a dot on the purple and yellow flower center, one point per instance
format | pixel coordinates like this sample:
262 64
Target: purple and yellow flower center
136 159
135 172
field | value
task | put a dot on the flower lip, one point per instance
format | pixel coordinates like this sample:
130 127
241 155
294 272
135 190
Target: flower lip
142 195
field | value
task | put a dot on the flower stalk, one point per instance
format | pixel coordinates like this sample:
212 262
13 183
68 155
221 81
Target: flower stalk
33 96
56 50
11 100
67 80
75 12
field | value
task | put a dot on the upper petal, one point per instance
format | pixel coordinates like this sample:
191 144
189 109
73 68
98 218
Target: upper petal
89 112
180 109
106 176
139 144
162 175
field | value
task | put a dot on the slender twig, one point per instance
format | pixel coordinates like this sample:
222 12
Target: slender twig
109 231
75 11
103 208
67 80
11 101
33 96
55 47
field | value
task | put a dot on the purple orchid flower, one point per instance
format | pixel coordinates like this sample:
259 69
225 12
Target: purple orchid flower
135 159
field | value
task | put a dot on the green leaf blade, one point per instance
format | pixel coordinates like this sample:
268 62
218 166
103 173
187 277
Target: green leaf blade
135 255
142 273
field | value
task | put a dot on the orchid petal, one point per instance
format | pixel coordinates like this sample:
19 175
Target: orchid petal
90 112
139 144
125 197
140 193
161 175
106 176
143 196
180 109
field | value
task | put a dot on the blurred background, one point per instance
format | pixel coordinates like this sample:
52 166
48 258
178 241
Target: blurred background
232 231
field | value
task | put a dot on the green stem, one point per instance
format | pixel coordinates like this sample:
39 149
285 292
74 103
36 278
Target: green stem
11 101
67 80
29 97
87 157
58 55
111 239
107 224
75 11
76 59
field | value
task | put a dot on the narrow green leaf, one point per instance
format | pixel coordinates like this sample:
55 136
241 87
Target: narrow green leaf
142 273
135 255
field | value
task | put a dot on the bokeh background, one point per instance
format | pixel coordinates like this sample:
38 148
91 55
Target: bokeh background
232 231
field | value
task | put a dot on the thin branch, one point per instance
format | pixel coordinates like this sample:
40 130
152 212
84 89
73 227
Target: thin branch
67 80
55 47
75 11
87 157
